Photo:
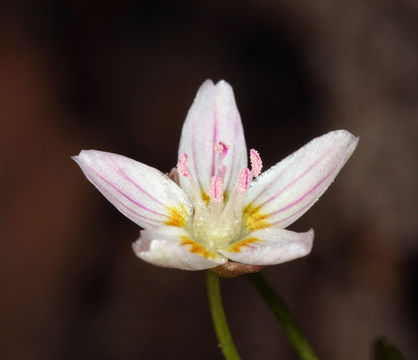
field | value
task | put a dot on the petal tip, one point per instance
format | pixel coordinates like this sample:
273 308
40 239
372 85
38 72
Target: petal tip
222 83
208 82
206 85
75 158
346 135
224 90
136 247
81 155
342 141
308 242
142 244
85 155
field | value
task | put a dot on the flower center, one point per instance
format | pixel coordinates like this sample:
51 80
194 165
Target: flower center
218 223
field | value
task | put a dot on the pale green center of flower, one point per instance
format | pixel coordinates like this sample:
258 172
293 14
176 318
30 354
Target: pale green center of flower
216 228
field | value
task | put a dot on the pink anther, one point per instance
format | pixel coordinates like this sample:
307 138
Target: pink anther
243 180
256 163
221 148
182 165
216 193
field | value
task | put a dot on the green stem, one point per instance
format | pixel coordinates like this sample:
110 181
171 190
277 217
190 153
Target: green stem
282 314
218 316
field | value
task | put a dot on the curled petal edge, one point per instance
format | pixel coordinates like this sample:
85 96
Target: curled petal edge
173 247
270 246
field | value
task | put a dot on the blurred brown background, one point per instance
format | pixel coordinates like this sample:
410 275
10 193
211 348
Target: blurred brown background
120 76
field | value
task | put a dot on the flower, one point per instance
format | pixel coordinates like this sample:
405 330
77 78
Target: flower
213 208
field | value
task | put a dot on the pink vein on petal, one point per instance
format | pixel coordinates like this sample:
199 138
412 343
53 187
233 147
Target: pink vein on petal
300 199
295 213
293 181
127 197
116 200
214 136
129 179
306 194
270 184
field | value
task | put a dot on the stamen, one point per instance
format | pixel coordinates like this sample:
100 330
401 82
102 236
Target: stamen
256 163
182 165
243 180
221 171
216 189
221 148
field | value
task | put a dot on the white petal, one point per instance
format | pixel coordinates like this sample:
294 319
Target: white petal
140 192
270 246
213 117
286 191
173 247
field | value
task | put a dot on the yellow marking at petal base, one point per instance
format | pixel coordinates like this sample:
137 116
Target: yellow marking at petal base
236 247
196 248
205 197
176 217
254 219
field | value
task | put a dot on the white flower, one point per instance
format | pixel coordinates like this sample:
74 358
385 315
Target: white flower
219 210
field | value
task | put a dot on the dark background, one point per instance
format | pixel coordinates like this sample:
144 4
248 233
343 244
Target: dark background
119 76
